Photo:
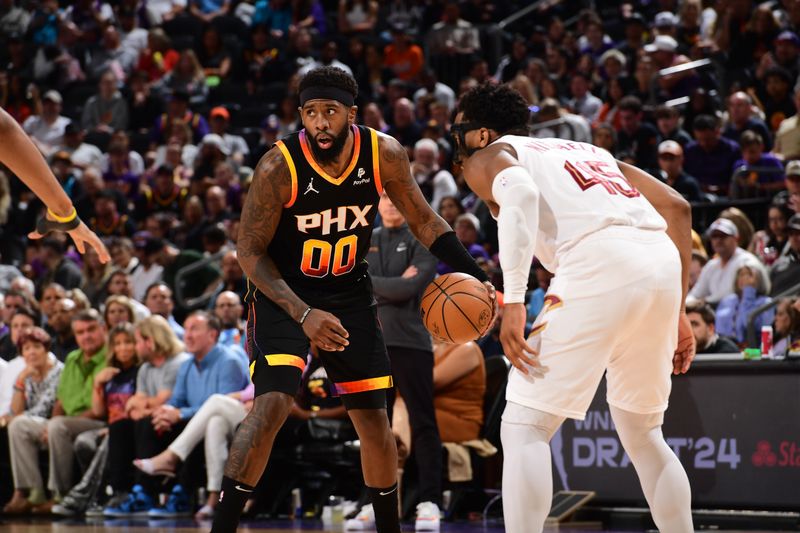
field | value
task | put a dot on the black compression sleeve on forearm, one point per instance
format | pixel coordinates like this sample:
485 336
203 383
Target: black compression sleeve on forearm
448 249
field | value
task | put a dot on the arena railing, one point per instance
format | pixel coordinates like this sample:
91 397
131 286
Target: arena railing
704 213
180 276
555 123
691 65
525 10
741 189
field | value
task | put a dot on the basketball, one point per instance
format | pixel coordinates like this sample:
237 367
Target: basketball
456 308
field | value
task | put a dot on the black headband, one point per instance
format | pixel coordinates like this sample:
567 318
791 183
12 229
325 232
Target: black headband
326 93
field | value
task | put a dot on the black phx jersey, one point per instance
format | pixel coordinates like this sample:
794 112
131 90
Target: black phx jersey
319 248
324 232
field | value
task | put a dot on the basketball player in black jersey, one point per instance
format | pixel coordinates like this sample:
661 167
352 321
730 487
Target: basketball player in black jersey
305 230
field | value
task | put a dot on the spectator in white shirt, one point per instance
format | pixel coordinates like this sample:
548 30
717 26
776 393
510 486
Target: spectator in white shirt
431 85
135 161
83 154
717 279
47 129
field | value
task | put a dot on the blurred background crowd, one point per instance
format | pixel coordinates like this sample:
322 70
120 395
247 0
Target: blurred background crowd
153 113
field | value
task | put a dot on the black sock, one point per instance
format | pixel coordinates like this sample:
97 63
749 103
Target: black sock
232 497
384 503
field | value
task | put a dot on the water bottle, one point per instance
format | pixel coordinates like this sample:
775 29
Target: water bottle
766 342
336 504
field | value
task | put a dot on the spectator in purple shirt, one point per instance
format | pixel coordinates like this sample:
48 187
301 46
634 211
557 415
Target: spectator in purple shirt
756 173
710 158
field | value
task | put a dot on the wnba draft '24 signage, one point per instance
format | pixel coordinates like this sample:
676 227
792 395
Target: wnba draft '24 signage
737 434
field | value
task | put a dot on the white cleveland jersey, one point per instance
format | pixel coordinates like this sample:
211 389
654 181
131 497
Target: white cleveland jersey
581 191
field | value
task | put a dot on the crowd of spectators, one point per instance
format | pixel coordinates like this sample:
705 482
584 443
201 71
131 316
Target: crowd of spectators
152 115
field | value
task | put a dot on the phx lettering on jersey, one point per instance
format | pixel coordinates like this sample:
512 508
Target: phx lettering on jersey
325 219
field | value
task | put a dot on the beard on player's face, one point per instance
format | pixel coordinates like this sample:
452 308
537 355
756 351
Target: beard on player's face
327 155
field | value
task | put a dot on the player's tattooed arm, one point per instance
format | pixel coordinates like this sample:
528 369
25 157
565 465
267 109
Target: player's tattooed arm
270 190
404 192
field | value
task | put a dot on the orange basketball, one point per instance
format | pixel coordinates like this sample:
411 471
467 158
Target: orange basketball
456 308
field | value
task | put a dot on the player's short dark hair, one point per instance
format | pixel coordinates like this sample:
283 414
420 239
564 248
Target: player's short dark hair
499 107
704 310
329 77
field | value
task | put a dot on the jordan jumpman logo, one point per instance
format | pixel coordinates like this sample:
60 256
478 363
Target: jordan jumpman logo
311 187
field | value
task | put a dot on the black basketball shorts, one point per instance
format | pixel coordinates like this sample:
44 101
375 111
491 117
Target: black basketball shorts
279 348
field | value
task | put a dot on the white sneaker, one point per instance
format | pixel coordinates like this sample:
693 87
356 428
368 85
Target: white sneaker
364 520
427 517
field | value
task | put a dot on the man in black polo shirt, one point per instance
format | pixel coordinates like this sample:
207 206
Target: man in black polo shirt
703 319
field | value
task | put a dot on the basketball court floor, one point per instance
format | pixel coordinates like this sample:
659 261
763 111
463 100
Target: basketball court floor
270 526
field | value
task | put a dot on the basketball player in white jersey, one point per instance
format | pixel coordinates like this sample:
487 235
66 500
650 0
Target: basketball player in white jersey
20 155
619 244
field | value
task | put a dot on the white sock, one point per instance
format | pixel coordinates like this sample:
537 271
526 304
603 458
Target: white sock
661 474
527 472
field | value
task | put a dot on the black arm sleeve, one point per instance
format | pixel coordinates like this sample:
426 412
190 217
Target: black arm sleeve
448 249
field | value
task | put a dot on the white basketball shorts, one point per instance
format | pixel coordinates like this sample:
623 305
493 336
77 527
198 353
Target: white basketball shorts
611 308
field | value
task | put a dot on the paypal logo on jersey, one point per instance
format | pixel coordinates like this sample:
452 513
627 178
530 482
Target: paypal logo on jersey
325 220
359 180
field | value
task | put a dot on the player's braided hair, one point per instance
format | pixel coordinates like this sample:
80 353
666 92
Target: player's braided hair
329 77
498 107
